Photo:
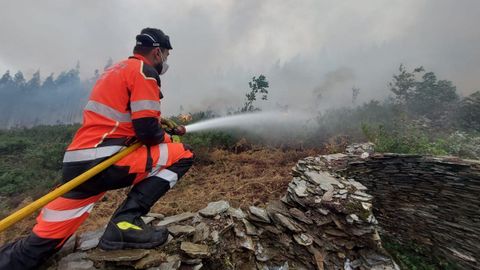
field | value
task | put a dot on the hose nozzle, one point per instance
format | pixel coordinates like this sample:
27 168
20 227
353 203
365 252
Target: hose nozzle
179 130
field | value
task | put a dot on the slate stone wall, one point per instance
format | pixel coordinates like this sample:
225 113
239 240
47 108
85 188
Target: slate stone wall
432 201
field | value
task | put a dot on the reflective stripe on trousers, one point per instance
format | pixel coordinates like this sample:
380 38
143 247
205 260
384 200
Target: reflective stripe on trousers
51 215
166 174
61 217
91 153
162 158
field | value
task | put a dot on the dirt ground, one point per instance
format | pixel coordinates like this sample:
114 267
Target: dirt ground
249 178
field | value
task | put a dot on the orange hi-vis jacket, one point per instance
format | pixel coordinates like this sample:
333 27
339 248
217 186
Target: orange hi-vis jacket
124 103
126 92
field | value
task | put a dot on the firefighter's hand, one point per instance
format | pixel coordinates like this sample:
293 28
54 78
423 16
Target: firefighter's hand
168 124
172 128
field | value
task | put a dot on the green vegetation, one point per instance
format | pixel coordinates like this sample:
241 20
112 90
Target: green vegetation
423 116
32 158
415 257
406 139
257 85
31 161
410 139
467 116
210 140
207 139
427 96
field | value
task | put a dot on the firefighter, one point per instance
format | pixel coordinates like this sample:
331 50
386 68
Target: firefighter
124 106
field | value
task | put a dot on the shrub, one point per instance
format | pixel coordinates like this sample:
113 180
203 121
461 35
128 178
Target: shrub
405 138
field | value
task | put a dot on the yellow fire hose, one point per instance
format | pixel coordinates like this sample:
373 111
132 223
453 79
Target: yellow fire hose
34 206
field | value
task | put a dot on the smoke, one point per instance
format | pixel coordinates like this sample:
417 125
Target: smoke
57 100
220 45
334 86
219 100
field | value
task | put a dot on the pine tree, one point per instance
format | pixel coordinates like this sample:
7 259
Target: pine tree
34 83
19 80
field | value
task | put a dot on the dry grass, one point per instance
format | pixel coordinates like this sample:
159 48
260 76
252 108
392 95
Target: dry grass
249 178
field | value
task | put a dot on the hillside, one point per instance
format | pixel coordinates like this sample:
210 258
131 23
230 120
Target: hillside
225 168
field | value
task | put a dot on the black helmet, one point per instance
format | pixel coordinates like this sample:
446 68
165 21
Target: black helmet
152 37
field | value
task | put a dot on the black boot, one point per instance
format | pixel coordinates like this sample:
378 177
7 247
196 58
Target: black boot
28 253
126 229
124 235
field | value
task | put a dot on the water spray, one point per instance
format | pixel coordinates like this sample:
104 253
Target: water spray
251 121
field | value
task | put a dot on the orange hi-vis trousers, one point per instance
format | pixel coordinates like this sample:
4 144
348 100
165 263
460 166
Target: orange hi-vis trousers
59 219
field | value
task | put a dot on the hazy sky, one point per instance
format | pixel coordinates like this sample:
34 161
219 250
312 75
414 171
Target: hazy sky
305 48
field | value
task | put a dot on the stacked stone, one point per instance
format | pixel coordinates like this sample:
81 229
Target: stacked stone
430 201
343 225
323 222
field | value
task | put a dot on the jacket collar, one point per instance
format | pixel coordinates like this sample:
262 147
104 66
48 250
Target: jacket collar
141 57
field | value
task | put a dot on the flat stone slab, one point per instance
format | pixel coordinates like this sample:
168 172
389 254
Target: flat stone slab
181 229
215 236
118 255
90 240
214 208
247 243
249 227
333 157
154 258
259 213
300 188
77 261
77 265
177 218
287 223
195 250
328 196
321 177
173 263
303 239
155 215
236 212
299 215
147 220
202 231
361 198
